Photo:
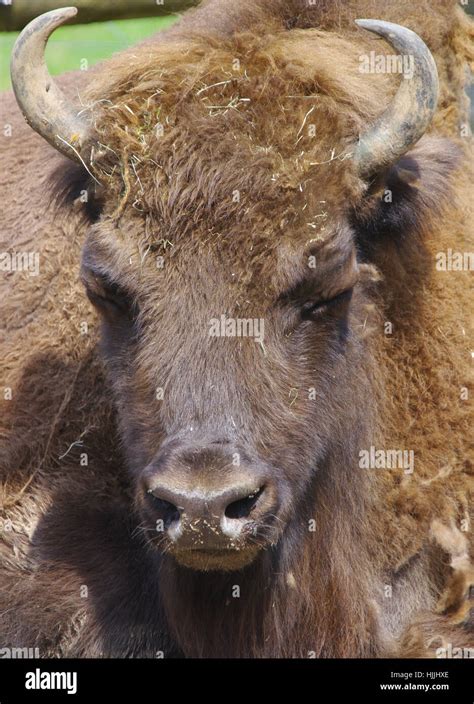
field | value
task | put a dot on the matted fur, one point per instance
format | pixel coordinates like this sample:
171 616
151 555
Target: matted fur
71 526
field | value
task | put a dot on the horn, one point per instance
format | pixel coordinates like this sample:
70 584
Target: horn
410 113
44 105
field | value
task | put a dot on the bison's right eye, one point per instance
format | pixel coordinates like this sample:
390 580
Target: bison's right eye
313 311
107 295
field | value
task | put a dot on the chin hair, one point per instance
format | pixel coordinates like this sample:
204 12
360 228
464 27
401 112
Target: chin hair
215 561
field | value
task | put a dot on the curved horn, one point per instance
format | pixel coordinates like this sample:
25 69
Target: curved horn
410 112
44 105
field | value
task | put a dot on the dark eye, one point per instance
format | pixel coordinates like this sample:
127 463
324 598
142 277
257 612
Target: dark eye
314 311
106 294
111 300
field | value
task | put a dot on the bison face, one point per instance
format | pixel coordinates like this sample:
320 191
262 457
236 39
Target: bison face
232 359
223 177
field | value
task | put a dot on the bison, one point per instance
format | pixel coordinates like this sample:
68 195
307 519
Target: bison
250 438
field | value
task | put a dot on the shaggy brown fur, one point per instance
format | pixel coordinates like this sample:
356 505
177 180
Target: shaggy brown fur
76 577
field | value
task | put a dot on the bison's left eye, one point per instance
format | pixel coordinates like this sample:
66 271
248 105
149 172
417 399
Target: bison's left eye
314 311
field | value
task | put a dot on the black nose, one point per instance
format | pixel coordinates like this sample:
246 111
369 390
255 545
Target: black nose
206 518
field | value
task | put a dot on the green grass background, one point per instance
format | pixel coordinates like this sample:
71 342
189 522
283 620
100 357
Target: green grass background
68 46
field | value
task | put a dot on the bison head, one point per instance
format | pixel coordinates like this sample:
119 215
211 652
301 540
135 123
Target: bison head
227 184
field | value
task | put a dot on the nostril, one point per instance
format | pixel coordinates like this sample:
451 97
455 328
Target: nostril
165 510
243 507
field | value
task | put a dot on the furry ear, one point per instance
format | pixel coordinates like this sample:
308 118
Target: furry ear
401 201
70 184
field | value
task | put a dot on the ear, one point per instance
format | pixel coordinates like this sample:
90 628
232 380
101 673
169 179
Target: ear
71 185
401 202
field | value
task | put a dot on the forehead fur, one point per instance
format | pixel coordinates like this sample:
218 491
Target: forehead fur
255 129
